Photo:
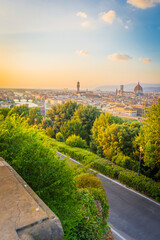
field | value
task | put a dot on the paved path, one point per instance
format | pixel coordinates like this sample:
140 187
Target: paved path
132 215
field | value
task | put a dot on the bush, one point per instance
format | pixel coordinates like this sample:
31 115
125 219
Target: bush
31 154
90 226
76 141
59 137
51 131
89 181
140 183
124 161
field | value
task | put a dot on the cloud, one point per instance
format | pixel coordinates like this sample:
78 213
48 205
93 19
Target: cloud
126 27
109 16
146 60
120 20
86 24
119 57
82 53
81 14
143 3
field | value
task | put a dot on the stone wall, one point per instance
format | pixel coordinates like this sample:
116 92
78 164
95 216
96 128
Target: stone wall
24 216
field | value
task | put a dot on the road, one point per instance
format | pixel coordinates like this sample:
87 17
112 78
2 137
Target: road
132 215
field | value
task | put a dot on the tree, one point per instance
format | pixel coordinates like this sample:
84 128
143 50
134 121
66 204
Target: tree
59 137
61 113
34 116
22 110
111 135
47 122
51 131
71 127
99 126
4 112
150 139
87 115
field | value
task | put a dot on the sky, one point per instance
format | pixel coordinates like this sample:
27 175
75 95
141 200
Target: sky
55 43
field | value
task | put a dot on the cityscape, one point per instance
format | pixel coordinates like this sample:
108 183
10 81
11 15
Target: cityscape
79 119
127 104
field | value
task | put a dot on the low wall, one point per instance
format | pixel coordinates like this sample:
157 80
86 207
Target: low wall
24 216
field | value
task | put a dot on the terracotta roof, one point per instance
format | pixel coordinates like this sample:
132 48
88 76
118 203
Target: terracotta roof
138 88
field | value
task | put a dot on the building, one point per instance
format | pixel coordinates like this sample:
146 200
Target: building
121 91
138 90
78 86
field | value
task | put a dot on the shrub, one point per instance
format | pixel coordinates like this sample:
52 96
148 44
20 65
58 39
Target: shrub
31 154
140 183
90 226
59 137
76 141
124 161
89 181
46 122
51 131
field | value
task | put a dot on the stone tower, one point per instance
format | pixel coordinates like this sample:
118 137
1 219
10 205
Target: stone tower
121 90
78 86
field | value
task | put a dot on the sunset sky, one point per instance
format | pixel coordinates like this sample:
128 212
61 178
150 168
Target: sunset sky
55 43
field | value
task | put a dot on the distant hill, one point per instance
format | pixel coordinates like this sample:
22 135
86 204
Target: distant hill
129 87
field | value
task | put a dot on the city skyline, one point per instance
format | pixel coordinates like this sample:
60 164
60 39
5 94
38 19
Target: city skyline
54 44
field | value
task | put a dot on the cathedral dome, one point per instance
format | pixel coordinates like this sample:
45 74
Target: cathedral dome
138 89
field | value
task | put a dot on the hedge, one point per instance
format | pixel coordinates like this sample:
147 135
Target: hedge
130 178
29 151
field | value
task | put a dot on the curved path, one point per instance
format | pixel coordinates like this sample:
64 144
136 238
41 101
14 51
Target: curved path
132 215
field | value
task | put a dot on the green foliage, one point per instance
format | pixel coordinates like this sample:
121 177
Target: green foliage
34 157
111 135
34 116
50 129
51 132
92 222
46 122
4 112
76 141
140 183
101 124
22 110
87 115
94 205
73 127
61 113
116 138
89 181
125 161
59 137
26 149
150 140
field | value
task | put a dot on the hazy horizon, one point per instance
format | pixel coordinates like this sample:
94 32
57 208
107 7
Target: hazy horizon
53 44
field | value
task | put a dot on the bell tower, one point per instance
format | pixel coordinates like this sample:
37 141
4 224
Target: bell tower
78 86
